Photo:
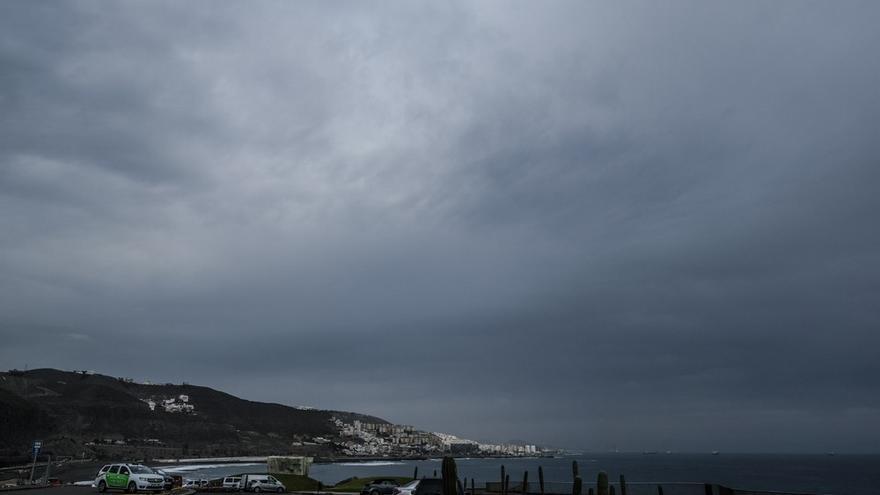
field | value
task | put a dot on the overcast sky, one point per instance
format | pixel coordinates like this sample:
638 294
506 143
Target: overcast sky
641 226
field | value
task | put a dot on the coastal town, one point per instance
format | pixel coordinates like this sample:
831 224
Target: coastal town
385 439
360 439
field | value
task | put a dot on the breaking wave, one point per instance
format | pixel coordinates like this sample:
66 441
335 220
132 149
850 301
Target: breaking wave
200 467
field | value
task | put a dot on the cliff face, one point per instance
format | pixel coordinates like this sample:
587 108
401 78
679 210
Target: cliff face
69 410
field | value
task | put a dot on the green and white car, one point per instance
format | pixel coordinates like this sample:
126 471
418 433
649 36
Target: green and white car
129 477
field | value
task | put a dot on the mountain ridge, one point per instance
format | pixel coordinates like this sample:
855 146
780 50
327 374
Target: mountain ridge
77 413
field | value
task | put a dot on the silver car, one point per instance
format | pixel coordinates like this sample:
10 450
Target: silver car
264 483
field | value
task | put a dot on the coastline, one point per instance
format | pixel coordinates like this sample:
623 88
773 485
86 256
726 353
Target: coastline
330 459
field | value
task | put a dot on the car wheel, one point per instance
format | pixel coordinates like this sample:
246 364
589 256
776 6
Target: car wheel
102 487
132 488
375 492
280 490
257 489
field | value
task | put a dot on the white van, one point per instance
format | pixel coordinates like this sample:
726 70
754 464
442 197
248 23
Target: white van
261 483
232 482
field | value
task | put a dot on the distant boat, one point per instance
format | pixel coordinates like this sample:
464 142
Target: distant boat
649 452
715 452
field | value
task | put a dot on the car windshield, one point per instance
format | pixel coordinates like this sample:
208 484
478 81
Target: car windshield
141 470
411 484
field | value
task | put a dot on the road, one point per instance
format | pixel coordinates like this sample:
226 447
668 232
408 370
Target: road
53 490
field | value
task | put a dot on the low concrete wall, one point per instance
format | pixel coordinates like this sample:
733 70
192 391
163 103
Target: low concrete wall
289 465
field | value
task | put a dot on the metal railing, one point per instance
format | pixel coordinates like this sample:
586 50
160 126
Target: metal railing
632 488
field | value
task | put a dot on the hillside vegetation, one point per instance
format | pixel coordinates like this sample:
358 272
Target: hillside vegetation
105 416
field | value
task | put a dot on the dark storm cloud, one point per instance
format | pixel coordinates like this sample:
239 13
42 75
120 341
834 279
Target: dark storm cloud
645 227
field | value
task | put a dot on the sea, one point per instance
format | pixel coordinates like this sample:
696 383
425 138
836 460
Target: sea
810 474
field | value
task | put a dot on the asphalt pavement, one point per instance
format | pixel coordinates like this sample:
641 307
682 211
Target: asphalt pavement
53 490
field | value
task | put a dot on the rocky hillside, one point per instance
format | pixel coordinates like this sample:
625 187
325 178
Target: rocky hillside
106 416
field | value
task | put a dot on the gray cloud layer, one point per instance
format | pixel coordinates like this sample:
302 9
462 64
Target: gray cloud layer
648 226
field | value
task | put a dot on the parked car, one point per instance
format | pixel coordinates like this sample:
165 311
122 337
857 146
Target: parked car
195 483
101 471
406 489
129 477
432 486
262 483
380 486
232 482
169 480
